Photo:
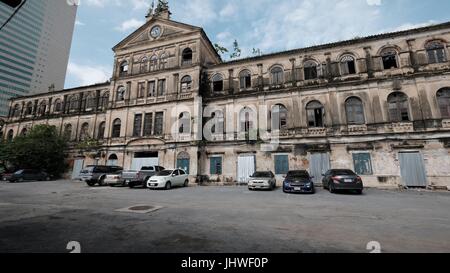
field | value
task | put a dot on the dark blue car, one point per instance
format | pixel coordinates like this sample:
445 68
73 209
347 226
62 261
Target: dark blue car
298 182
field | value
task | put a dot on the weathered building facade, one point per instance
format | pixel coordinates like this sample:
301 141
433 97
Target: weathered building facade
378 105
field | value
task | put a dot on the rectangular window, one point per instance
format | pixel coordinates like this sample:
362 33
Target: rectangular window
281 164
141 90
161 87
152 89
148 124
363 163
216 165
159 119
137 128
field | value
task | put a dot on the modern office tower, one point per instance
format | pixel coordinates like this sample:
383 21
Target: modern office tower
34 48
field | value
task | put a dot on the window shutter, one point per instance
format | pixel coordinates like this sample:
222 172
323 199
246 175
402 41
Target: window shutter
421 58
377 64
362 66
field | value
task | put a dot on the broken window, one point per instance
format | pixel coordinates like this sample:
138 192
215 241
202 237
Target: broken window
362 163
436 52
137 127
389 58
217 83
42 108
84 133
355 111
68 132
348 66
186 84
277 75
245 79
73 103
310 68
101 130
141 90
159 119
215 165
29 109
246 120
398 107
186 57
161 87
15 111
148 124
443 97
316 113
279 117
123 69
121 91
152 89
117 126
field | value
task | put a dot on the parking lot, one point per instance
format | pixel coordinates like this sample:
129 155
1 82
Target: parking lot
46 216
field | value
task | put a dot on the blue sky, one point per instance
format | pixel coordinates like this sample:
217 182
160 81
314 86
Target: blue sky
270 25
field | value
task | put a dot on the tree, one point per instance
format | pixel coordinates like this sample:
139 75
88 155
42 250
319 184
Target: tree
42 148
220 49
236 50
256 52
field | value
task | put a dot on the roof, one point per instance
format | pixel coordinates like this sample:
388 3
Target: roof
342 43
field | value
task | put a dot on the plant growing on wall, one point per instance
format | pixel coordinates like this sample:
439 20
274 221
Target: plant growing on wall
89 147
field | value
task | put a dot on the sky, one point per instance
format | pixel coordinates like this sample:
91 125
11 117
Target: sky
270 25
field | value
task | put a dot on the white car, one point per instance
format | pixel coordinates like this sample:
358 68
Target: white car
167 179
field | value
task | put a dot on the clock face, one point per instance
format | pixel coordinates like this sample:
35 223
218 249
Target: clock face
155 32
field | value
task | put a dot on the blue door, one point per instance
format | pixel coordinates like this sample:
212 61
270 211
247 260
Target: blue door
183 164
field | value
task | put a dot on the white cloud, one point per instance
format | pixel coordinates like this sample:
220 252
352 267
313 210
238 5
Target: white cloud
374 2
131 24
87 74
136 4
79 23
407 26
228 11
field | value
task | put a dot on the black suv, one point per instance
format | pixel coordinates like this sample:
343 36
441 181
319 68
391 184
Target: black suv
96 174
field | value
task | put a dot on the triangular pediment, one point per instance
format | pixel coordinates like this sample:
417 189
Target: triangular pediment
169 29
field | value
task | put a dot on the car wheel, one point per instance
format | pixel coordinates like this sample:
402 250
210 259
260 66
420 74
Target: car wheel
90 183
359 192
331 188
47 178
168 186
145 182
186 183
20 180
101 182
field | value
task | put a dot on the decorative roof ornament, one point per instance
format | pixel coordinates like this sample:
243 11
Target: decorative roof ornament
161 10
151 11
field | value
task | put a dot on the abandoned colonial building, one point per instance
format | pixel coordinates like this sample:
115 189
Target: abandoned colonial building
379 105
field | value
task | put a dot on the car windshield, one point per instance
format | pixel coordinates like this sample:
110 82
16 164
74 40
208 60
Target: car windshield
19 172
262 174
88 170
298 174
165 173
343 172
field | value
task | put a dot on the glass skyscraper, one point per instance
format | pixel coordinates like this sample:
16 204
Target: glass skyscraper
34 48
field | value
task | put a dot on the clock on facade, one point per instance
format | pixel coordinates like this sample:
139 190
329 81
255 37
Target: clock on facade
155 32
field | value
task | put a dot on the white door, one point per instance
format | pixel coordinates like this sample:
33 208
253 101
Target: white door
138 163
319 164
246 168
412 169
77 167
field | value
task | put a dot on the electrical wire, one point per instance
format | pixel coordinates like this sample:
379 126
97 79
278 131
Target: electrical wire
12 15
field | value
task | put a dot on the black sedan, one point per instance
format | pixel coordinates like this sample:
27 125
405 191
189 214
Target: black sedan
29 175
298 182
335 180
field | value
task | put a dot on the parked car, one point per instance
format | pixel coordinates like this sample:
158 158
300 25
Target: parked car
115 179
29 175
298 182
335 180
7 175
167 179
262 181
97 174
139 178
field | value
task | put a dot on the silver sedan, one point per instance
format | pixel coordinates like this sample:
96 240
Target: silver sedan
262 181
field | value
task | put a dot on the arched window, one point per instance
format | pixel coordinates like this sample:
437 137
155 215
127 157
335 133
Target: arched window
245 79
73 103
279 117
217 83
186 56
24 132
436 52
184 123
389 58
121 92
247 120
219 124
123 68
186 84
68 131
15 111
90 102
183 161
348 65
443 97
316 113
10 135
355 111
84 132
117 126
42 108
163 61
29 109
104 101
58 106
277 75
153 63
113 160
310 68
144 65
101 130
398 107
